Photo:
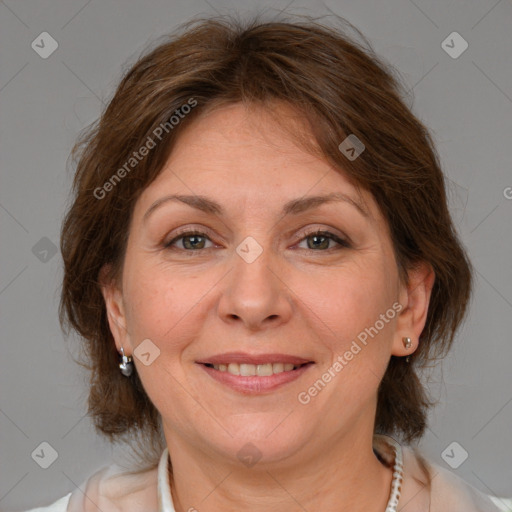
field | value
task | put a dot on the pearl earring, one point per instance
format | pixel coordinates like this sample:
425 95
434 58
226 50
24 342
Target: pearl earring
407 344
126 364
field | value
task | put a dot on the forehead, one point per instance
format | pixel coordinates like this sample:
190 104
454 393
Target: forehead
234 130
252 156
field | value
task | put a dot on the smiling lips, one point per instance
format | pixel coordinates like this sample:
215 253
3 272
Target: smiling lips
261 370
254 374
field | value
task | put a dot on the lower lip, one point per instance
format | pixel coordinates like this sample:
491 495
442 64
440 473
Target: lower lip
253 384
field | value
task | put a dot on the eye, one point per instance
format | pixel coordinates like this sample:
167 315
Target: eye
196 240
322 239
191 240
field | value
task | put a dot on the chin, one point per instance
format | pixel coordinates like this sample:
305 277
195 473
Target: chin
263 442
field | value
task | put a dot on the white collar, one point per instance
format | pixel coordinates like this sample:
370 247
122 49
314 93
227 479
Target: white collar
165 503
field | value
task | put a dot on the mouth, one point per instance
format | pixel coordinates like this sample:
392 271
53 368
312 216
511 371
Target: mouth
249 374
259 370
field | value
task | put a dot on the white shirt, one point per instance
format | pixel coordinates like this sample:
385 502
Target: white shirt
112 489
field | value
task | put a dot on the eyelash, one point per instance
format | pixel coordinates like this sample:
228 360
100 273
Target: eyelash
343 244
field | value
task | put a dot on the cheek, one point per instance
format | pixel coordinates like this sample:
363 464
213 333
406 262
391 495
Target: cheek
347 303
359 343
163 310
161 306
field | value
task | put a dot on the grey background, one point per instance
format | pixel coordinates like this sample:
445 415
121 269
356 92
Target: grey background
466 102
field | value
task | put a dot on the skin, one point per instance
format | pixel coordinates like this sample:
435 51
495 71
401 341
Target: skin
294 299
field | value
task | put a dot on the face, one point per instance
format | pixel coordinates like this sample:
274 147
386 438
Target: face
248 281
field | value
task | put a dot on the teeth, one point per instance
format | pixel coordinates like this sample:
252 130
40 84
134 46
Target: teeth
277 368
233 368
260 370
263 369
246 370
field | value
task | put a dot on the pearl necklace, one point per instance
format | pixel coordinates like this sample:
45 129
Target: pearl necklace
398 473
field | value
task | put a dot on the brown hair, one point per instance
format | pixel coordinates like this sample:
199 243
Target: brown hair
341 87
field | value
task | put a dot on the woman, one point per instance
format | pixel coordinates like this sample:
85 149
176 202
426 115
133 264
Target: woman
260 234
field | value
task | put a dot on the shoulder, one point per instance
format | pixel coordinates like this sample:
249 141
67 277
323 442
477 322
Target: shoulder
112 488
61 505
116 488
447 491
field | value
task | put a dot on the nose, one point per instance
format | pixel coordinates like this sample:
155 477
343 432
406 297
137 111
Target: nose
255 294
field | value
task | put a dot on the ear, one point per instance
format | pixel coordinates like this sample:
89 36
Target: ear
415 298
116 313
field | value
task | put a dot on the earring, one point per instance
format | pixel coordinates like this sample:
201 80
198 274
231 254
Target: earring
407 344
126 364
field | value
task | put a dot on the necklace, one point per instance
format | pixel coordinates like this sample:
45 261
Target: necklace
398 472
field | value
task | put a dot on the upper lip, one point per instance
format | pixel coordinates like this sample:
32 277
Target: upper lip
243 358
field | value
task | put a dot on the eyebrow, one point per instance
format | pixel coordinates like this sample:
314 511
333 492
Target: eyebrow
293 207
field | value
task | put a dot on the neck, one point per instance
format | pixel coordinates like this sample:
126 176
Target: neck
345 475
